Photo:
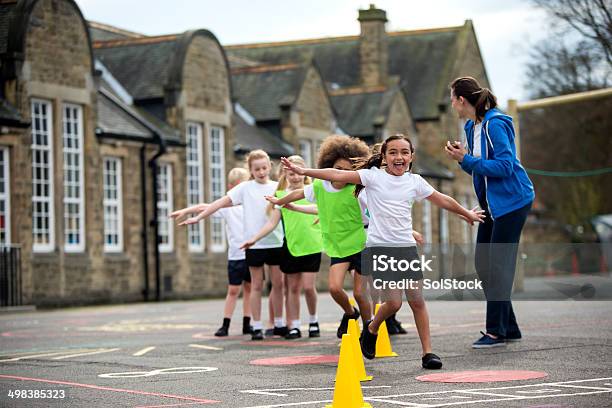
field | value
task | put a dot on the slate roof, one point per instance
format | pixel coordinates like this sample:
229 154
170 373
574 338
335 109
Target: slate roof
250 137
427 166
358 112
421 58
262 90
105 32
5 15
140 66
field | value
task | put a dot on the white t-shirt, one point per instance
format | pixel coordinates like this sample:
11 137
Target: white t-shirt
327 185
390 200
251 195
477 150
234 228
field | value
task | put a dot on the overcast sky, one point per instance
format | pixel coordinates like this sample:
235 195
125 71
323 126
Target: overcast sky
504 28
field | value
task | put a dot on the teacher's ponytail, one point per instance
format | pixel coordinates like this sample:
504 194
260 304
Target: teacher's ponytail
482 99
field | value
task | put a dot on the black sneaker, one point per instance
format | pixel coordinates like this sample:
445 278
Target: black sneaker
391 326
313 330
398 326
257 335
368 342
293 334
343 328
247 329
280 331
222 332
431 361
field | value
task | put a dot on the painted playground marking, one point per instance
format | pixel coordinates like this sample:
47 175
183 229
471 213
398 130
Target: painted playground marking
60 355
163 371
482 376
459 397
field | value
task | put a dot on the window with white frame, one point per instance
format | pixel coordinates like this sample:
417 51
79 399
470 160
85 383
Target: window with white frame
74 188
444 231
217 184
5 197
112 202
306 151
427 228
43 234
164 208
195 183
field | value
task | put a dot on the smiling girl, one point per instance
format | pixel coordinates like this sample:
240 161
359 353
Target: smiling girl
392 190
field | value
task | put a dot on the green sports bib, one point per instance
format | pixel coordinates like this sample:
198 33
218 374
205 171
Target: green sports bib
302 235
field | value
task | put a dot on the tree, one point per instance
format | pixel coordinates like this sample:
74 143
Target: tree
578 55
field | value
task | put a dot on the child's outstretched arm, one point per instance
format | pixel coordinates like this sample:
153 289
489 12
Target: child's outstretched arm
344 176
311 209
222 202
289 198
450 204
265 230
178 215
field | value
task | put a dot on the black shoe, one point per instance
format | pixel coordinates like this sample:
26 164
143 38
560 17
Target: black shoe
368 342
398 326
343 328
222 332
293 334
431 361
313 330
269 332
391 326
257 335
280 331
247 329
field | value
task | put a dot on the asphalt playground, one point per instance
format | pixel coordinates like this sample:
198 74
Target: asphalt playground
164 355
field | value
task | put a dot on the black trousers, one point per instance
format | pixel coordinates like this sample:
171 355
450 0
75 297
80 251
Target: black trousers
496 251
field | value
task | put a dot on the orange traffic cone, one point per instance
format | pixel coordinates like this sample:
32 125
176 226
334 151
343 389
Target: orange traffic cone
383 343
359 366
347 392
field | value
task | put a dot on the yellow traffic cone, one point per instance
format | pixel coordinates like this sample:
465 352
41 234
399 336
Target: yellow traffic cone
383 343
354 304
359 366
347 392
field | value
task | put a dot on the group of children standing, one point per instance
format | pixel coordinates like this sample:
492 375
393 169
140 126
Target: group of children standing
358 199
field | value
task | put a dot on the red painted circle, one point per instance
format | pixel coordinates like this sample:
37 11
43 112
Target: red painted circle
482 376
293 360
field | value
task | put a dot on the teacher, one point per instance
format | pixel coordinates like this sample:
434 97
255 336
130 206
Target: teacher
504 191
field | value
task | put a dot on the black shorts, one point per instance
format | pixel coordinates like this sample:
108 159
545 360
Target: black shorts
268 256
238 272
295 264
353 260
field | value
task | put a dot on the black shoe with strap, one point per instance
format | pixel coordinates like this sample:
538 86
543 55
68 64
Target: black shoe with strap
431 361
313 330
222 332
257 335
343 328
293 334
280 331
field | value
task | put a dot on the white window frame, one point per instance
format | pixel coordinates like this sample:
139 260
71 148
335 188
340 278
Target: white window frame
427 225
217 243
164 207
6 196
197 164
49 199
306 151
80 200
113 202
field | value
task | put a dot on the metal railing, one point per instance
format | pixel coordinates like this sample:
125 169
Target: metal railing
10 276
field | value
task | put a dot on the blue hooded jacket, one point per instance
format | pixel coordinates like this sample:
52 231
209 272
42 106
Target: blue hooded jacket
500 181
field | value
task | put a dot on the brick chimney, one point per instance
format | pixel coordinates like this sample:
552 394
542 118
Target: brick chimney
373 50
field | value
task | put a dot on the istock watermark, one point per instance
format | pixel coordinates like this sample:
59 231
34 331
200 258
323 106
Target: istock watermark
442 284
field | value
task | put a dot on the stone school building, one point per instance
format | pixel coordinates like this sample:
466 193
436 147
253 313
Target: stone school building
104 132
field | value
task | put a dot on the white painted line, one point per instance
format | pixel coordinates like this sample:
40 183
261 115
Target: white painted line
30 356
86 354
205 347
143 351
274 391
394 402
291 404
584 387
490 394
519 398
452 396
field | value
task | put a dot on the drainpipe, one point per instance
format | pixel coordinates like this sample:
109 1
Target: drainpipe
144 232
154 222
